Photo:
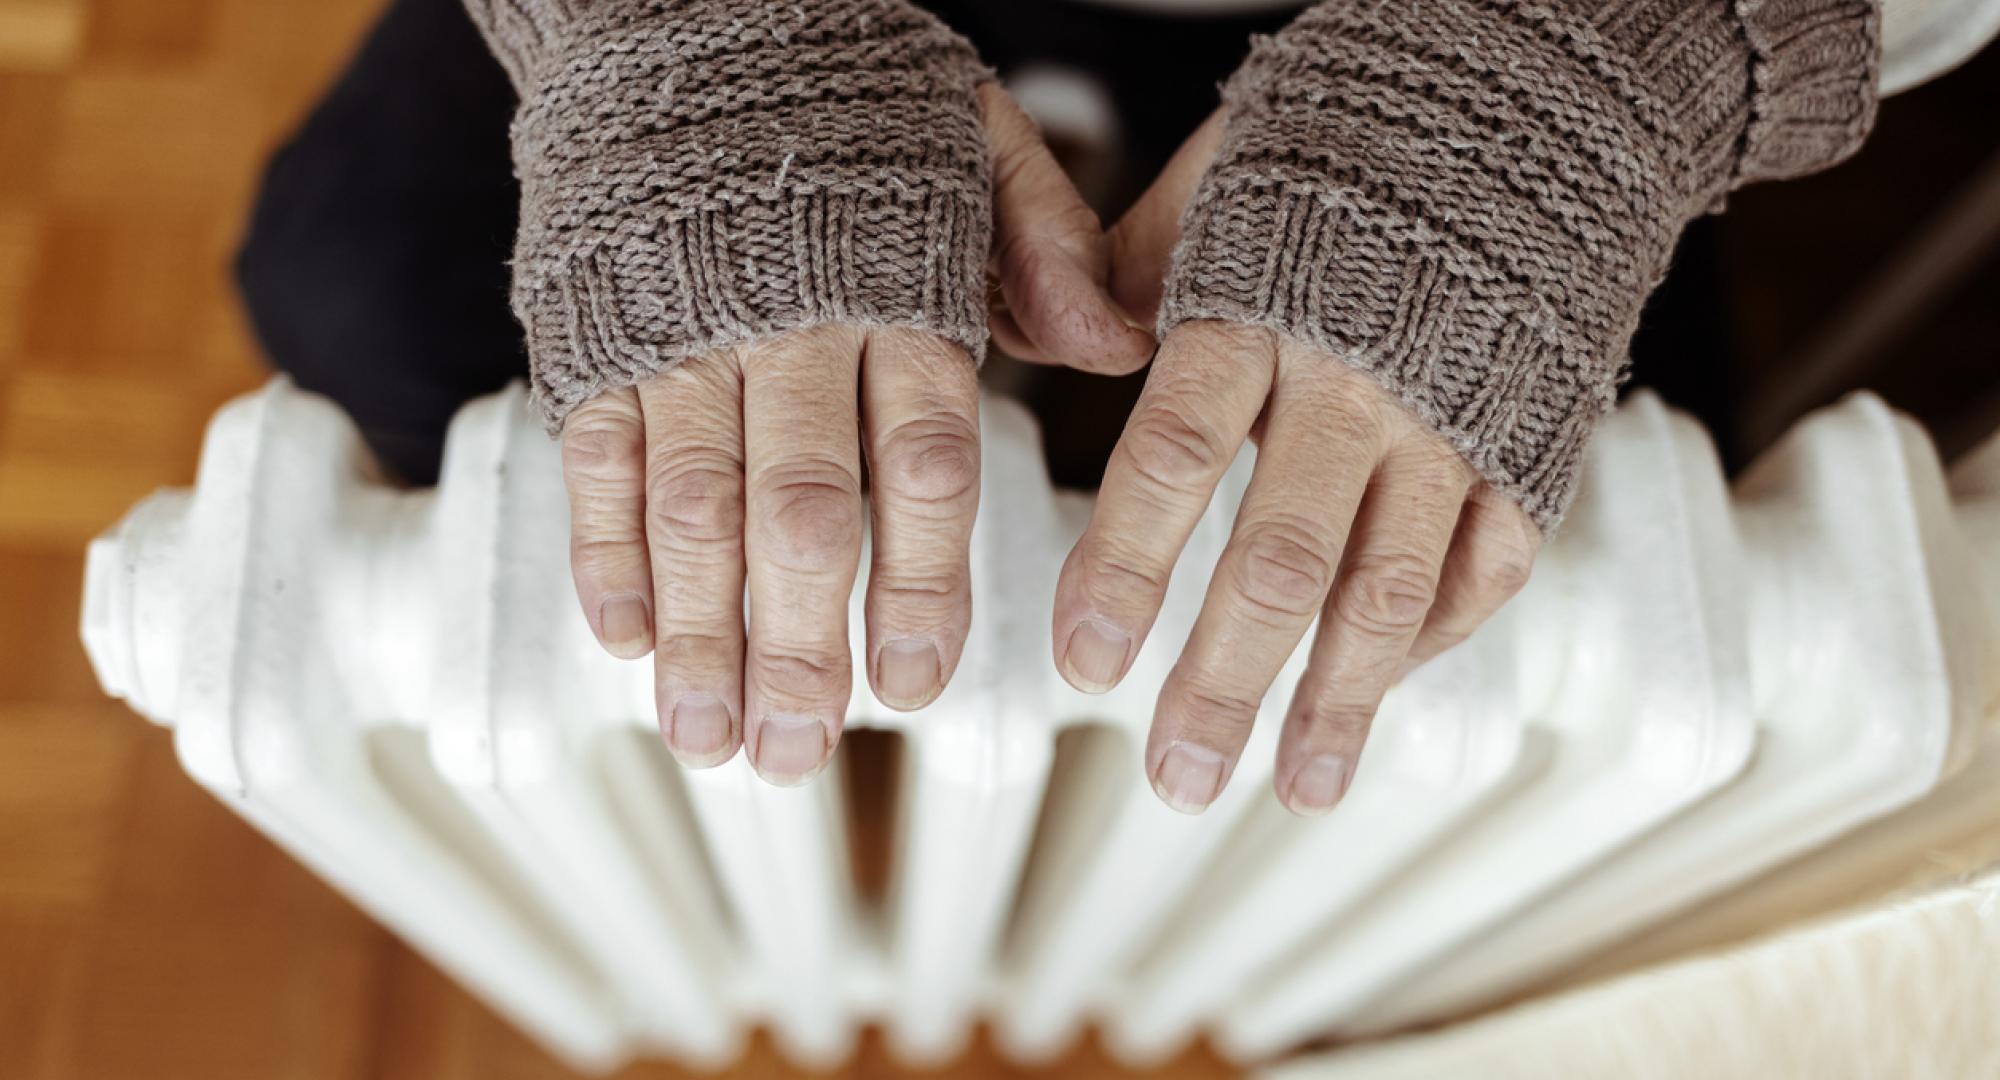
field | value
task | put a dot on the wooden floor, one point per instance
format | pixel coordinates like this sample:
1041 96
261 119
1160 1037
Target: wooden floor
144 932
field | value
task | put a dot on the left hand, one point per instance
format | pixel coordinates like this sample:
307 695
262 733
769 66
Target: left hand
1358 513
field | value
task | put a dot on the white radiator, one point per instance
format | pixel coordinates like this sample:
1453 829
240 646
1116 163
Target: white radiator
399 688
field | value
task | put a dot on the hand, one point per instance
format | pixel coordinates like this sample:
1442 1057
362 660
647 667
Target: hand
744 467
1357 514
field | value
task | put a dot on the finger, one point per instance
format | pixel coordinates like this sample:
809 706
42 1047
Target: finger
920 411
1008 338
801 544
694 531
1490 559
1199 401
1051 253
1142 243
1323 436
604 471
1387 579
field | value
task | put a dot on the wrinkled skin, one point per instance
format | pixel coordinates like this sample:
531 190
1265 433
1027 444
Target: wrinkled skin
743 469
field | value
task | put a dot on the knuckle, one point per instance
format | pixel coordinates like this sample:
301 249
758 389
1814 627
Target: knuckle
695 652
1284 569
802 357
1506 573
1439 463
1353 420
1525 532
1436 484
603 560
697 499
604 447
1346 405
905 591
1115 575
1171 447
933 461
813 512
805 673
1339 722
1387 595
1221 341
939 359
1499 516
1212 706
1504 543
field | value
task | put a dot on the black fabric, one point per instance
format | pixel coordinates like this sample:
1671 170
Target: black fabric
375 270
375 265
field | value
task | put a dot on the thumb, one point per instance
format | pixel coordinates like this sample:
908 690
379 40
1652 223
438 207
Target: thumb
1052 256
1142 243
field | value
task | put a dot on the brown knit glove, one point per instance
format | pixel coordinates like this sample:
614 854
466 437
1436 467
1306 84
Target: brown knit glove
1471 199
700 173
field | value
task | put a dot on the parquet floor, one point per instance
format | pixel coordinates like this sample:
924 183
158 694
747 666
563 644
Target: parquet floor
144 932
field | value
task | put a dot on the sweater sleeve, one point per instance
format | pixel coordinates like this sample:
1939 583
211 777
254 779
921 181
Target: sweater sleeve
1471 199
696 174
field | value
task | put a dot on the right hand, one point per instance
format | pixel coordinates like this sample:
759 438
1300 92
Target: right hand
743 467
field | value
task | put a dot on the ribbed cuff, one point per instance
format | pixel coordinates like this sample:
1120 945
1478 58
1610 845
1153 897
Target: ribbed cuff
1450 336
1815 67
1471 199
686 285
697 174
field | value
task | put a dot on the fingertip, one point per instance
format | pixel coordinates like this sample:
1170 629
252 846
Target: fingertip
1136 344
1094 655
1316 786
699 729
789 749
908 673
1139 346
1089 331
625 625
1189 776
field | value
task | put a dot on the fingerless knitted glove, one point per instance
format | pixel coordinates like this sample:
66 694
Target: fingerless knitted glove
699 173
1471 199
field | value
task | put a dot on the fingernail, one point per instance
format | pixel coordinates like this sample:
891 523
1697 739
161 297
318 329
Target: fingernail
1319 784
790 748
698 729
627 627
1095 655
1190 777
906 672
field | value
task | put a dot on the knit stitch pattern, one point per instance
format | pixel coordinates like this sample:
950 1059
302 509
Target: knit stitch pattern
1471 199
698 174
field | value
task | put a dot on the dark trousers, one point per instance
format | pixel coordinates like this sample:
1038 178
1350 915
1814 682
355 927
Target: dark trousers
374 269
